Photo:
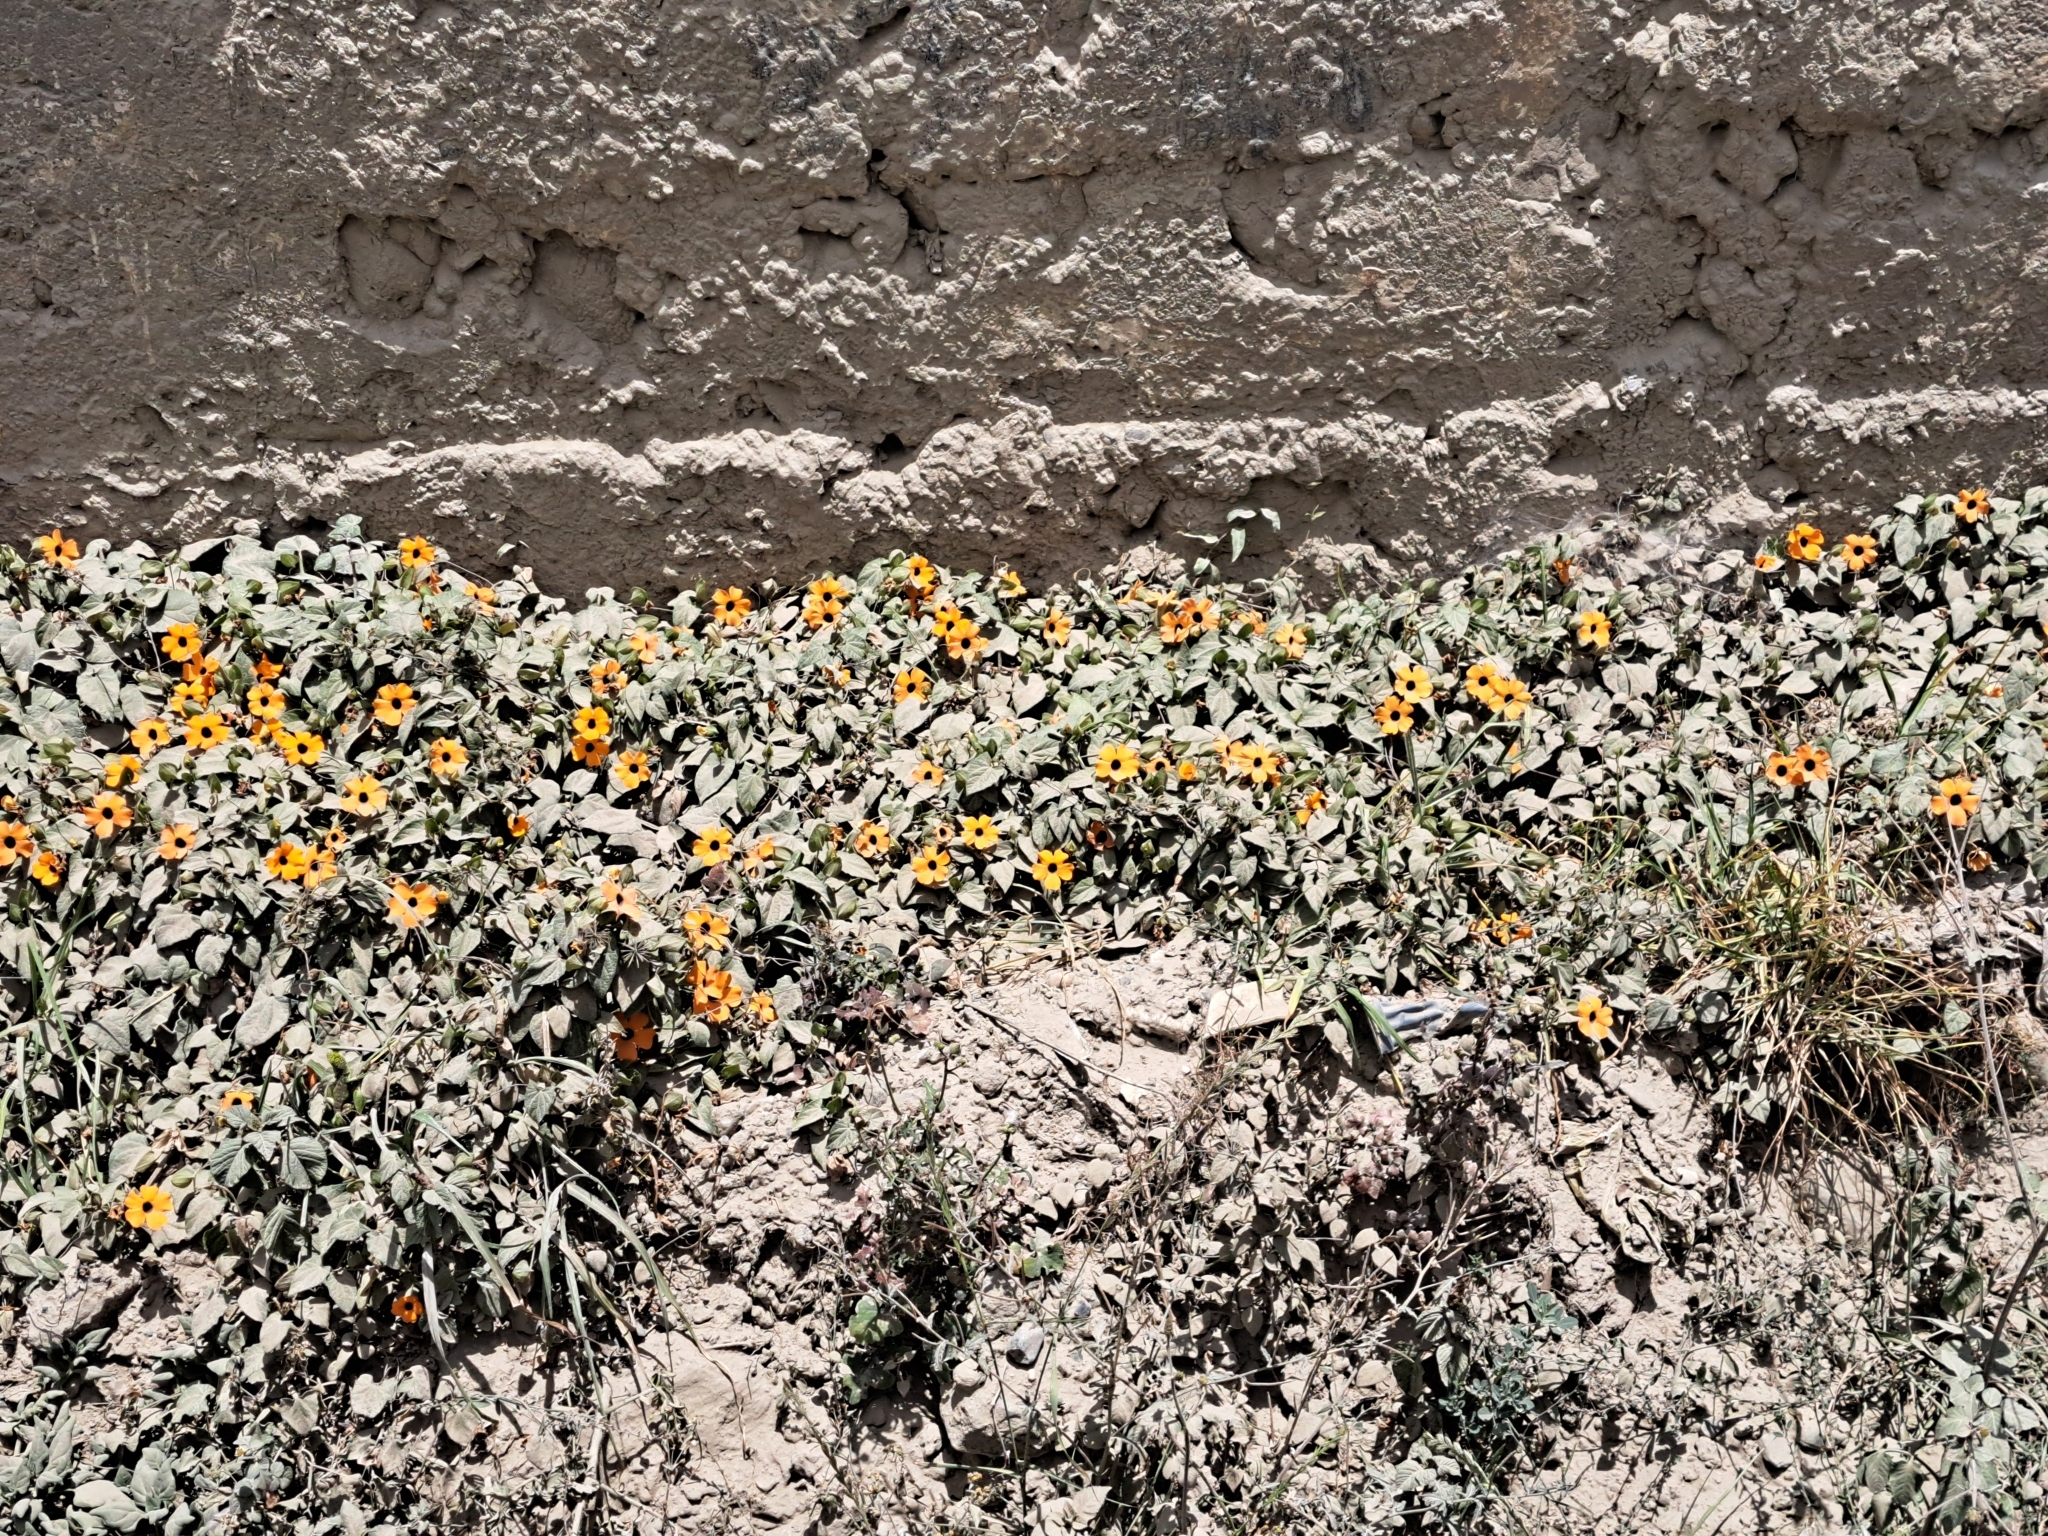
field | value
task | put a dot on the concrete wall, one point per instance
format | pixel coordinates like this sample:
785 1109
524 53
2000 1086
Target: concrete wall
648 290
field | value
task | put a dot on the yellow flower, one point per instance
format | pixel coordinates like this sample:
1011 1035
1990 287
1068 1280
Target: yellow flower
1766 561
821 611
46 868
204 731
760 857
1412 683
1010 582
151 736
1117 762
447 758
517 825
912 684
1595 630
482 596
714 996
1052 869
1187 771
414 552
646 645
1957 800
1813 761
287 862
829 586
266 702
322 868
1312 802
948 621
1596 1019
762 1007
411 905
1480 679
148 1207
124 769
1261 764
364 796
921 576
705 929
713 845
591 722
393 703
1859 551
1292 640
607 677
16 842
730 606
932 866
237 1098
872 839
1509 928
979 832
1514 697
107 815
1057 627
1395 715
180 642
589 753
1805 542
1175 626
177 840
301 749
1971 505
927 772
1783 770
631 769
57 550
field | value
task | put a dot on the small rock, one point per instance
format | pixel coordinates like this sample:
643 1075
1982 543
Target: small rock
1810 1437
1025 1344
969 1375
1776 1451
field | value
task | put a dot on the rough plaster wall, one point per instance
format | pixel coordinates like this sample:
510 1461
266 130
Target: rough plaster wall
650 290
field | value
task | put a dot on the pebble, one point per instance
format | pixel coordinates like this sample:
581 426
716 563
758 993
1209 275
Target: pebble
1025 1344
1776 1451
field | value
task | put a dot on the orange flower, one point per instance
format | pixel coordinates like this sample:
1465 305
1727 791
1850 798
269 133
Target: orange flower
302 749
829 586
237 1098
705 929
1595 630
407 1309
176 841
364 796
1312 802
820 611
1395 715
967 647
1187 771
411 905
124 769
57 550
1783 770
148 1207
591 722
1010 583
619 898
1957 800
1509 928
415 552
631 1036
151 736
838 677
517 825
1514 697
288 862
265 702
927 772
949 622
646 645
762 1007
336 839
446 758
16 842
1052 869
921 576
589 753
106 815
1859 551
760 858
1117 762
979 833
607 677
1481 680
322 868
1766 561
1057 627
393 703
1805 542
1971 505
1292 640
713 994
46 868
631 769
267 670
204 731
1596 1019
932 866
730 606
180 642
912 684
1175 626
482 596
872 839
187 697
1813 762
1564 570
713 845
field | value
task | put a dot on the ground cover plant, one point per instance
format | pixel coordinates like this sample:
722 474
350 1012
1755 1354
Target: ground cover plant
376 932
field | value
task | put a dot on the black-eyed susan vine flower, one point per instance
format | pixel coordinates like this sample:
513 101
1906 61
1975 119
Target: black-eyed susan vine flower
176 840
1595 1017
107 816
148 1207
411 903
1117 763
17 841
730 607
364 796
46 868
150 736
630 771
408 1309
1859 551
1413 683
1595 629
713 845
1955 801
1395 716
1052 868
180 642
632 1035
57 550
446 758
931 866
393 703
1972 505
1805 542
416 553
979 832
872 840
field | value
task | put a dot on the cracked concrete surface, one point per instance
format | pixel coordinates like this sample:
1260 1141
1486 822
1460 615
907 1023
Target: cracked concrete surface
638 292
